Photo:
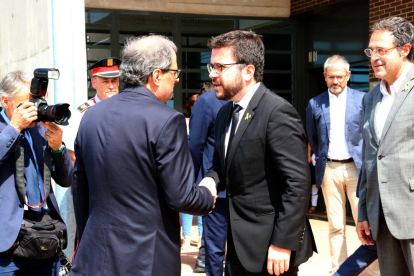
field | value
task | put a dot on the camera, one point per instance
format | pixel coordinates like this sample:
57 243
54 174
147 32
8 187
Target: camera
58 113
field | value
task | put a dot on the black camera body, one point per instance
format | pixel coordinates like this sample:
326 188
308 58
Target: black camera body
58 113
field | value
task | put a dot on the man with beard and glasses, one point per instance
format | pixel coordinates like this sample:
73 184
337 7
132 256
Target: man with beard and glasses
334 127
260 158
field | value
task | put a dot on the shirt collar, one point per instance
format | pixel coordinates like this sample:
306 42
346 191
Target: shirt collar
5 116
244 102
397 84
340 96
97 100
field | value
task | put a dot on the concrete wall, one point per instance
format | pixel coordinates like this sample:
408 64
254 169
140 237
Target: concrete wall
260 8
25 35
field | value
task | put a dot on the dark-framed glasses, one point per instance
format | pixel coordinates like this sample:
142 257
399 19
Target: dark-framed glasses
177 72
339 77
379 51
219 68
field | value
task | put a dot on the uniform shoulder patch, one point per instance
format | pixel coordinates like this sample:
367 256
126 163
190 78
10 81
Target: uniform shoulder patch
83 107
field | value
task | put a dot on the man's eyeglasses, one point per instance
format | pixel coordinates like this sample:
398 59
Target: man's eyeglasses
219 68
339 78
177 72
380 52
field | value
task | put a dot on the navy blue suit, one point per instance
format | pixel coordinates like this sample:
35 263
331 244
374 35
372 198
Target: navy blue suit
11 209
201 140
133 175
318 122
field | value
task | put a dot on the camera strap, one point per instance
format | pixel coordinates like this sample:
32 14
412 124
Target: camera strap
19 177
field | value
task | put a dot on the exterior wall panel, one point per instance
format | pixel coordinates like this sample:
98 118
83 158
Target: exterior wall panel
258 8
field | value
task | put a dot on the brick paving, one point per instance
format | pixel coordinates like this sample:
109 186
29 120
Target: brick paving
318 264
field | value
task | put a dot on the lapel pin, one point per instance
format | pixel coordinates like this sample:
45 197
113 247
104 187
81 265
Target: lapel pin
248 116
406 86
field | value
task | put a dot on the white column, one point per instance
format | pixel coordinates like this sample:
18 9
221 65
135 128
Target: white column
69 56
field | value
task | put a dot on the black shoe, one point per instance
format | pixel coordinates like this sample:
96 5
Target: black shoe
200 267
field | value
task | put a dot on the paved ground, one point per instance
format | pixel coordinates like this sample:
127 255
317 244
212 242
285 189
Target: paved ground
318 265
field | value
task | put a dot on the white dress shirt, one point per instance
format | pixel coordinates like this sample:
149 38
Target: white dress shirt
338 149
244 102
387 100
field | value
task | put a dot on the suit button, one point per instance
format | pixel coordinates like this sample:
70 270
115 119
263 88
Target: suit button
229 194
380 157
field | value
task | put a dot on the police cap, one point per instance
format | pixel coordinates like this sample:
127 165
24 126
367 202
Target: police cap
106 68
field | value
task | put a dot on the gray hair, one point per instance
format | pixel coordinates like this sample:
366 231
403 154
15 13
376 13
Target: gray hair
139 61
13 82
336 61
402 30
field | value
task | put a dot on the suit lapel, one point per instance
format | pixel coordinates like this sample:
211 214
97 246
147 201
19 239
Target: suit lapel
326 113
350 105
405 89
244 123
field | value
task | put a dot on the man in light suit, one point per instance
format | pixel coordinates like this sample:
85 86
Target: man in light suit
201 142
334 128
134 173
38 139
387 176
260 159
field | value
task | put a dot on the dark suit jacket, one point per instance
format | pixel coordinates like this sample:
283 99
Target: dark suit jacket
201 138
11 209
133 174
318 122
267 180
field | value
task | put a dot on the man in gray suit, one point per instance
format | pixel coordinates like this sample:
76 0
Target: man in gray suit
387 173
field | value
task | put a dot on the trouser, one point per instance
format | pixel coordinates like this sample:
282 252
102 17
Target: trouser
396 257
339 179
314 195
28 267
187 221
215 236
238 269
364 256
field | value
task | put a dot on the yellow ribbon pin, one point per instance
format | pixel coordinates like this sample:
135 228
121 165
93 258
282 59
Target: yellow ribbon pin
248 116
406 86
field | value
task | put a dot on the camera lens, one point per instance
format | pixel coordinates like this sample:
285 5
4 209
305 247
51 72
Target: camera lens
59 113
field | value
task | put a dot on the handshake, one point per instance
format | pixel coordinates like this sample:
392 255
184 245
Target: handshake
210 184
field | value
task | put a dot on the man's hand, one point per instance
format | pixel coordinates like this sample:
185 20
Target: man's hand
24 116
53 135
210 184
277 260
364 234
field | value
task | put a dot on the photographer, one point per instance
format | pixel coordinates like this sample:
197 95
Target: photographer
30 154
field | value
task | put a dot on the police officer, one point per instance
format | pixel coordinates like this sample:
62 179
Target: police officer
105 79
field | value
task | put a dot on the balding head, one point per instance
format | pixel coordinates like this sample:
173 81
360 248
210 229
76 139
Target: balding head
142 55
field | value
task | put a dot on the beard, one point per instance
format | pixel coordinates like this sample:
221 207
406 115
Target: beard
230 90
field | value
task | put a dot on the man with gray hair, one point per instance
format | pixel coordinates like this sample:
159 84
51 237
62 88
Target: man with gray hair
333 121
134 172
31 153
387 175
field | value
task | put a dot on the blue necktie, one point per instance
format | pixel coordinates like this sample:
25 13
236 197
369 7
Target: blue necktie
31 172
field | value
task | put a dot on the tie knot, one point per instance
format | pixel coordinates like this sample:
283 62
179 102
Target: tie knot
237 108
